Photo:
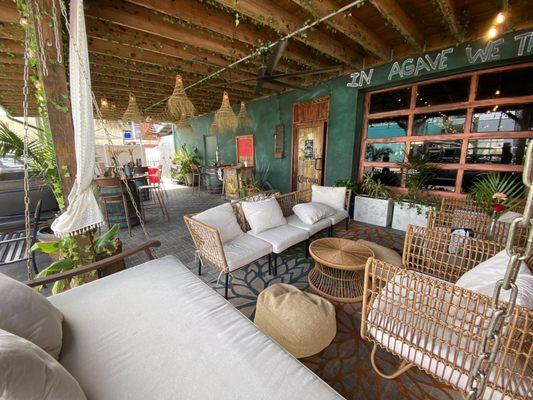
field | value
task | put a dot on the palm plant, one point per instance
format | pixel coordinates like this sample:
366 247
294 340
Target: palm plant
488 190
41 156
187 159
373 187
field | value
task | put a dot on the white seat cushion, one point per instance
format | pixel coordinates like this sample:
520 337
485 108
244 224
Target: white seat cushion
335 197
309 213
243 250
295 221
263 215
282 237
338 216
223 219
28 314
28 372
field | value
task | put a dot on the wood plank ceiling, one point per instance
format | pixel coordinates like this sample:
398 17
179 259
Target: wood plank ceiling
139 45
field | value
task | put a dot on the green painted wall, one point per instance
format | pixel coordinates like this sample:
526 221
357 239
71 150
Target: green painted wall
346 104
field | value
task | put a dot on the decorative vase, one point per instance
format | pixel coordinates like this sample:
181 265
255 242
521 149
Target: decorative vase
492 228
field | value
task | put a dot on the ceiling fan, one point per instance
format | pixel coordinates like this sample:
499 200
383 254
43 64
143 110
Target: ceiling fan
265 72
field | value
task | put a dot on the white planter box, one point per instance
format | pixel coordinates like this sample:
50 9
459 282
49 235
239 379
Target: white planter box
373 211
404 216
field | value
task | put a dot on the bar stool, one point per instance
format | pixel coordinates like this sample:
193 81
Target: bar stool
112 197
154 189
156 179
197 177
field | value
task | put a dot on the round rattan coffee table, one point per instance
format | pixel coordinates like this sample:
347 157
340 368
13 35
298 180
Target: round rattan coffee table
339 269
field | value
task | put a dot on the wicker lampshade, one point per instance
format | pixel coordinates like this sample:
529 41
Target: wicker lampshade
225 118
132 113
245 122
178 102
183 125
213 129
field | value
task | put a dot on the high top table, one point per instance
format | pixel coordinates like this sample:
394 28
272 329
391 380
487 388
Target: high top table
339 269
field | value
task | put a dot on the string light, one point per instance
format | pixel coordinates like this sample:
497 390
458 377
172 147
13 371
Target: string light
500 18
492 33
497 92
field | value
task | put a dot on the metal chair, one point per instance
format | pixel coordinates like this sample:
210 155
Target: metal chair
155 190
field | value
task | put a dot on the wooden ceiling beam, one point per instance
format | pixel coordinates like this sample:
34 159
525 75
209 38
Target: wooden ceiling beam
395 15
8 46
350 26
11 31
449 13
12 59
9 12
223 23
270 14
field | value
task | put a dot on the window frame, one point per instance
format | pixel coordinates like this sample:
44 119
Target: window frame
464 137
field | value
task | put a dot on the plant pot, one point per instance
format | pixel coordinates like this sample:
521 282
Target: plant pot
189 178
404 215
115 267
45 234
373 211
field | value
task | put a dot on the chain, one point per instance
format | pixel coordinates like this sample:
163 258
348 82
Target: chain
99 116
25 154
491 341
57 35
42 53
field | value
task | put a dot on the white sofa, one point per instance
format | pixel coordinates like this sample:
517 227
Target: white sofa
156 331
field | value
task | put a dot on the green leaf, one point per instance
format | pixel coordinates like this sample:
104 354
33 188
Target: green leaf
46 247
56 267
60 286
105 240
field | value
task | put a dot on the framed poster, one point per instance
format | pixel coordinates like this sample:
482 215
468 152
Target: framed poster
245 150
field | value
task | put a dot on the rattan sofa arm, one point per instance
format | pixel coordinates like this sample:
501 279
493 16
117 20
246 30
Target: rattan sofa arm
98 265
208 243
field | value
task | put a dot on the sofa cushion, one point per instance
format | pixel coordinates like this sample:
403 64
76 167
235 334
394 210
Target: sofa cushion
223 219
282 237
244 249
483 278
168 332
335 197
263 215
28 372
295 221
309 213
383 253
338 216
27 314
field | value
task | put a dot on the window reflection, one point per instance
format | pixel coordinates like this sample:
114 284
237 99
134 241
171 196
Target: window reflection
505 84
502 119
387 127
439 123
385 152
440 151
496 151
387 176
471 177
450 91
444 180
389 101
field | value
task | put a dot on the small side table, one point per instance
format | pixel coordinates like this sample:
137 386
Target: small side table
339 269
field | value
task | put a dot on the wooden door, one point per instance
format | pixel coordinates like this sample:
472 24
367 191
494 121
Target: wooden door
309 146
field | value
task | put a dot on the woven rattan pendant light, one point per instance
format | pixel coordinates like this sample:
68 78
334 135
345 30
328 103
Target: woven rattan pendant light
225 118
245 122
132 113
183 125
178 103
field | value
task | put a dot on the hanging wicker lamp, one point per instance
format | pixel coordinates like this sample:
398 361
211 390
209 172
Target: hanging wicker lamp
183 125
132 113
213 129
178 102
225 118
245 122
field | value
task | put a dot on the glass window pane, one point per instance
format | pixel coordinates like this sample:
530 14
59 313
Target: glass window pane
388 176
390 101
450 91
439 123
505 84
385 152
387 127
470 177
496 151
444 180
439 151
503 119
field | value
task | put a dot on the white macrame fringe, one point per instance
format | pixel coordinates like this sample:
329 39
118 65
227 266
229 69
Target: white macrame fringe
80 231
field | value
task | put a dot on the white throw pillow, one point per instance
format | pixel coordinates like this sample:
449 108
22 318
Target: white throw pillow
223 219
28 372
263 215
309 213
334 197
27 314
483 278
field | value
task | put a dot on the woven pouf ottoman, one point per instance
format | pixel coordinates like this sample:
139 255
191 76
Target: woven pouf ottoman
303 323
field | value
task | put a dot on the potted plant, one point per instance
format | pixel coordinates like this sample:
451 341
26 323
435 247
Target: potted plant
375 206
413 209
70 256
496 194
187 162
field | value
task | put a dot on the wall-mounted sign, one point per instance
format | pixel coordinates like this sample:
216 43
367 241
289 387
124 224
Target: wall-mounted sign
127 135
245 149
514 45
309 149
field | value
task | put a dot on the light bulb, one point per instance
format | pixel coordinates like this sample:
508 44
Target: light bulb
499 18
497 92
492 33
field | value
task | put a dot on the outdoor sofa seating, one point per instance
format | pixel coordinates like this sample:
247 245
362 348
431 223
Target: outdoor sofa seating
226 240
154 331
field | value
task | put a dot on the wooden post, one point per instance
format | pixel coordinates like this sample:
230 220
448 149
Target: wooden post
56 94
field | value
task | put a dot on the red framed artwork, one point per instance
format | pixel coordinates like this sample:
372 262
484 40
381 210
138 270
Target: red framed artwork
245 150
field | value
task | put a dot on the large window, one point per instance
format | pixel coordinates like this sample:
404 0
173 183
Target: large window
466 125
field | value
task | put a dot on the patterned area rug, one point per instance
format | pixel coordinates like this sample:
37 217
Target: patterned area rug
345 363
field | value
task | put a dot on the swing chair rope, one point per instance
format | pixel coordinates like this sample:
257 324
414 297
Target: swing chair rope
491 342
